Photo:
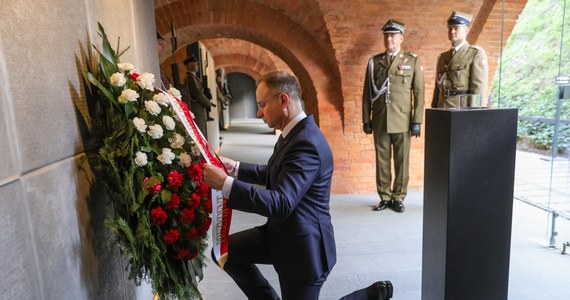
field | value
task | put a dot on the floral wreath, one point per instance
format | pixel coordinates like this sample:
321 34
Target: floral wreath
153 173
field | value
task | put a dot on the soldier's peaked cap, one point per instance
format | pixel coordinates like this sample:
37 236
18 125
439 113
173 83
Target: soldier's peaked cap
459 19
191 58
393 26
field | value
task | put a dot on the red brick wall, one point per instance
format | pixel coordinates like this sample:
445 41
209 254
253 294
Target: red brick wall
326 44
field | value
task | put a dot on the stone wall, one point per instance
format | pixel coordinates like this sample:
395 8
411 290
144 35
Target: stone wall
54 244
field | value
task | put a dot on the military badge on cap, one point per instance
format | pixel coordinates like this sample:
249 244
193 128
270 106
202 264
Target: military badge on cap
459 19
393 26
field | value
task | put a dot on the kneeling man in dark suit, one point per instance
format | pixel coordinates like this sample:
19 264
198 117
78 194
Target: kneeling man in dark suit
298 238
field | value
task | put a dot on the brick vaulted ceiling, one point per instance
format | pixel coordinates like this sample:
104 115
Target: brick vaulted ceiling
293 31
326 44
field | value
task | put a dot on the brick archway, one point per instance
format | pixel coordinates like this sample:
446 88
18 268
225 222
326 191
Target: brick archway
234 52
308 53
326 44
242 70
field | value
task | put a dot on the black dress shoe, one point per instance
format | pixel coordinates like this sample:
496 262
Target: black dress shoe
383 205
380 290
398 206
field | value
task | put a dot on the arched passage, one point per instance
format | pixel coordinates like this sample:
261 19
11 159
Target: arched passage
327 44
313 63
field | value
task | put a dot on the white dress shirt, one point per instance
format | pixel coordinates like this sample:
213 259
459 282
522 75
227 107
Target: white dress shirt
227 187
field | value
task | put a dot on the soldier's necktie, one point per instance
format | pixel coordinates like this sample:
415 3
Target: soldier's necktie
453 51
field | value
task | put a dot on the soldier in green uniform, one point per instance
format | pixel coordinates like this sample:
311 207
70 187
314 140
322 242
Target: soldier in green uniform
463 69
196 99
392 109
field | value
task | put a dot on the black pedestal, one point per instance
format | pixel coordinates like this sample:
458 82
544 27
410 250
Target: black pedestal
468 201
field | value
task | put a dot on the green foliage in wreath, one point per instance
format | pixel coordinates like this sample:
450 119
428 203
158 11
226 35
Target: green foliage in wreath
152 171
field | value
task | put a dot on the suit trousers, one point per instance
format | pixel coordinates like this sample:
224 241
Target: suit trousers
396 145
250 247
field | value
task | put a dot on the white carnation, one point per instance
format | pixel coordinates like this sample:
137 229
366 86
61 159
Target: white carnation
128 95
125 67
118 79
166 157
161 99
140 124
141 159
155 131
152 107
185 160
176 141
168 122
146 81
175 115
195 150
175 93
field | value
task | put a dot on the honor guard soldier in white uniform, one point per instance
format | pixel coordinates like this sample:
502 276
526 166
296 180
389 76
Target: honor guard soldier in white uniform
392 109
463 69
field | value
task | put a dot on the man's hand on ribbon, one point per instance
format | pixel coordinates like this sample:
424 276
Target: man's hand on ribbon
229 164
214 177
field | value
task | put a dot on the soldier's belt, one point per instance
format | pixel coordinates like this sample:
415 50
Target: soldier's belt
449 93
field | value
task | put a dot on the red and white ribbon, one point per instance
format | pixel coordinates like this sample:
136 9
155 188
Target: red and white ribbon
221 214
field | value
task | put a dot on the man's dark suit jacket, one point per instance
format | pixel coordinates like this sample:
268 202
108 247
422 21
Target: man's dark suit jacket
296 202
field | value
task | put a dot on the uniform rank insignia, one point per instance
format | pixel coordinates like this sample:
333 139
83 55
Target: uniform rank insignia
404 67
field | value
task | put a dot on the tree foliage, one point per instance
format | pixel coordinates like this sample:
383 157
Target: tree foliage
536 52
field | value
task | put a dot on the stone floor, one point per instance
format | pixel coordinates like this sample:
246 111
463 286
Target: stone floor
388 246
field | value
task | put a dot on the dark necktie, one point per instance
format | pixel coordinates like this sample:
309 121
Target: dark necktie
279 143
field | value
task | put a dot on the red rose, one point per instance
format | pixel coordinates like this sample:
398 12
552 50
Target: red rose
208 206
195 172
184 254
171 236
192 233
175 179
134 76
187 216
158 216
152 185
174 202
204 226
204 189
194 201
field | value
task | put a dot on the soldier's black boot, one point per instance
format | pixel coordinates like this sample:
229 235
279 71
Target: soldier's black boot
383 205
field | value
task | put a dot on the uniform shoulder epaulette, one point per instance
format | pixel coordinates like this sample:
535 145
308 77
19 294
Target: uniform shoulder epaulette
475 47
412 54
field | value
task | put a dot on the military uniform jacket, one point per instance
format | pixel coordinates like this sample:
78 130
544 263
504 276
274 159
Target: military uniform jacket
465 72
402 102
199 104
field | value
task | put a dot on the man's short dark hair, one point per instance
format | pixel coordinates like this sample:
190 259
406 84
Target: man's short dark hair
284 82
